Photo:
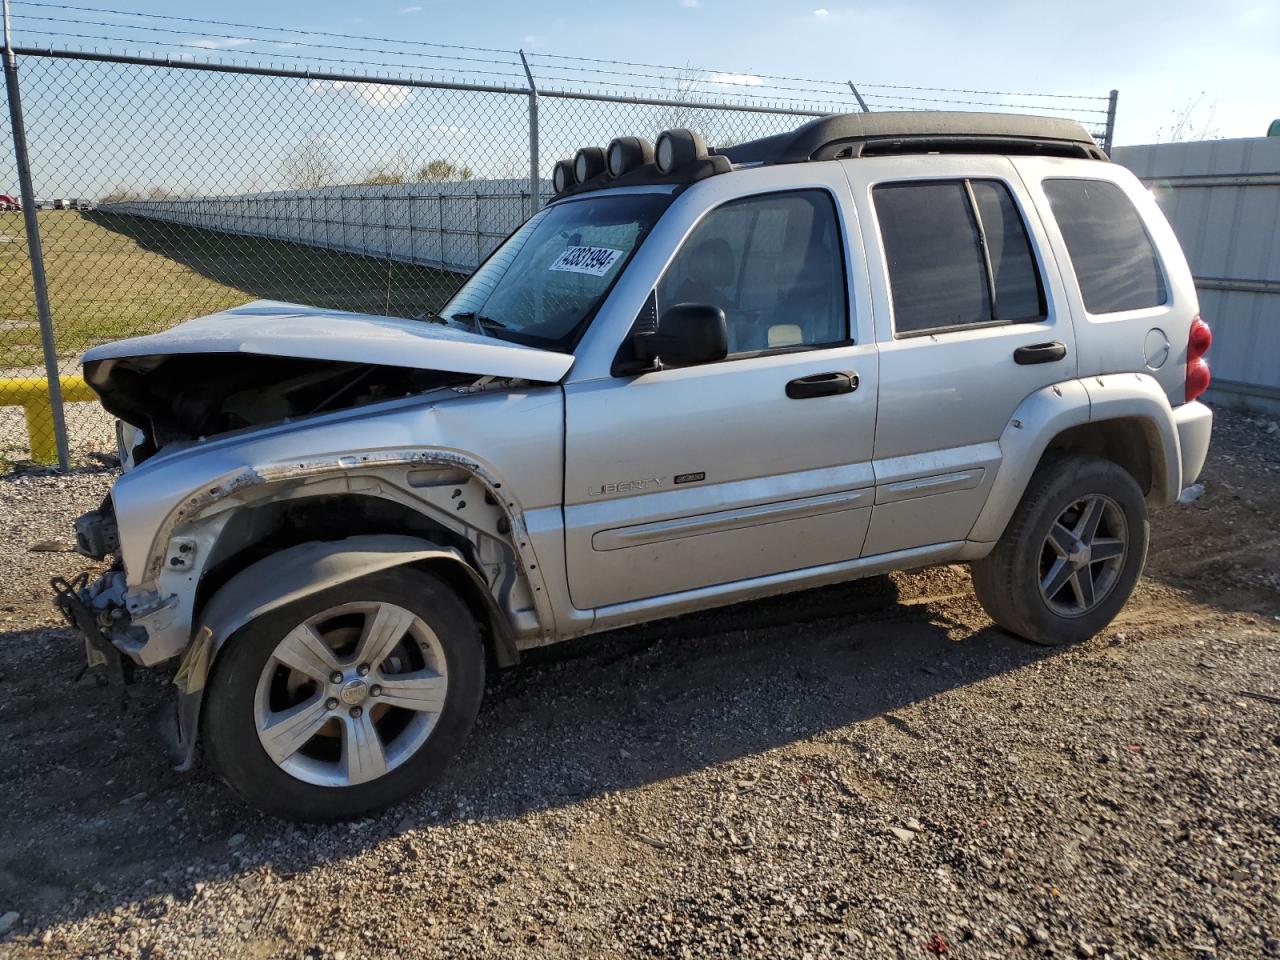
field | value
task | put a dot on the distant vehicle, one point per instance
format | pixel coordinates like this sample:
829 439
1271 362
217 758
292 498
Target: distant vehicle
9 203
60 204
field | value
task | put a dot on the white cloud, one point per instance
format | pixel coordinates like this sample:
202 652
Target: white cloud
736 79
220 44
822 13
413 9
448 131
380 96
689 3
532 40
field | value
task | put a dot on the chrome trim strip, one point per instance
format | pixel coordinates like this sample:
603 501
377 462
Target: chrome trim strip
618 538
929 486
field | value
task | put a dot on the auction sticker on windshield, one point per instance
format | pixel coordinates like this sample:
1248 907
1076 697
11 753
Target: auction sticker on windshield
593 260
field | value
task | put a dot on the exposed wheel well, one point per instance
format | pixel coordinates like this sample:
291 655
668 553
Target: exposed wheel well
1126 441
259 530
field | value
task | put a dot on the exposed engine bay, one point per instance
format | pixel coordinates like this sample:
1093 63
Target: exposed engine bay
189 396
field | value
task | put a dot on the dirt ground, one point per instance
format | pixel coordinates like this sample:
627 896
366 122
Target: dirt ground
870 770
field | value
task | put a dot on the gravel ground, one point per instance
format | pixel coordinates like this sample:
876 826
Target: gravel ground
871 770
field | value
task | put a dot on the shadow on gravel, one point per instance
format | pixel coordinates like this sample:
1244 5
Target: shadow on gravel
93 815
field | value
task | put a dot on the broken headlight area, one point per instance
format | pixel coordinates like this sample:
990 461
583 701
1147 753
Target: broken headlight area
97 535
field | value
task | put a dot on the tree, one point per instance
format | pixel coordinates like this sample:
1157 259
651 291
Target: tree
312 164
436 171
382 178
686 90
1193 121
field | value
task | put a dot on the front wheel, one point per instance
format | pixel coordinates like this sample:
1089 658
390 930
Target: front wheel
1071 554
347 701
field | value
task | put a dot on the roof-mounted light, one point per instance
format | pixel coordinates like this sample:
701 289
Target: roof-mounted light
626 154
562 175
588 163
675 148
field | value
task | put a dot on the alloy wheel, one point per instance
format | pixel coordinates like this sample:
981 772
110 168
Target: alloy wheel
1082 555
351 693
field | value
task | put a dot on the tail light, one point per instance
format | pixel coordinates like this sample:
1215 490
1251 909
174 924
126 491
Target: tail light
1198 343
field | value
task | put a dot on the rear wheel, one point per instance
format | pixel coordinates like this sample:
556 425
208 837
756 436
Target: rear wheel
1071 554
347 701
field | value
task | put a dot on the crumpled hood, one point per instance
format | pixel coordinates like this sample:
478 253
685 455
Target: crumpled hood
275 329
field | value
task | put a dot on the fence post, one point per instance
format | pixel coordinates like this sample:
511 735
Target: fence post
862 103
38 280
1111 120
535 170
440 223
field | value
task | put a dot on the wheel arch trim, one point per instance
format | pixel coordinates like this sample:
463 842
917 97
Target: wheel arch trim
292 575
1047 413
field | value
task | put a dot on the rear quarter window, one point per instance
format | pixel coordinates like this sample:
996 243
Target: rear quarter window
1113 257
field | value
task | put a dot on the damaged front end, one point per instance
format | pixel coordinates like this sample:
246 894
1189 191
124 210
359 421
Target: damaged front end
97 607
305 450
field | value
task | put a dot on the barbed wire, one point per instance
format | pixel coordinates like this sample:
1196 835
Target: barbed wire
253 26
242 37
565 63
823 100
194 51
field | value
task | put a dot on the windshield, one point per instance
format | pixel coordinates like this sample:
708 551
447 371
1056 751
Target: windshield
545 283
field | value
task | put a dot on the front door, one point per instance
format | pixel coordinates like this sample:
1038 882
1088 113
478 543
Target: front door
692 477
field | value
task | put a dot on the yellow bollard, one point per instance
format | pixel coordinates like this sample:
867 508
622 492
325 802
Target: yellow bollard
32 394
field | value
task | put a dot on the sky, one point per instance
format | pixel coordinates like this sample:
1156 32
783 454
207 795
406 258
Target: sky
97 128
1163 57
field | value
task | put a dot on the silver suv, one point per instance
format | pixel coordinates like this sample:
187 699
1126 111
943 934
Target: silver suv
695 377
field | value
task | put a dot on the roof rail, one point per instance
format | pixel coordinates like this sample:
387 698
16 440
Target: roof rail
919 131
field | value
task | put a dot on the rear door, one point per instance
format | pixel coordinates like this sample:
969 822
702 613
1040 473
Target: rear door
760 464
1133 306
968 322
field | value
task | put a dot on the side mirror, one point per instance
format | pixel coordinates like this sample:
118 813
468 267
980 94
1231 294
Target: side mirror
687 333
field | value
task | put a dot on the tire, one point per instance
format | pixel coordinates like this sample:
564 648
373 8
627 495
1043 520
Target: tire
1016 582
420 697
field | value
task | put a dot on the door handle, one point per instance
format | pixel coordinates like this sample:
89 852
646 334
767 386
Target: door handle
1040 352
822 385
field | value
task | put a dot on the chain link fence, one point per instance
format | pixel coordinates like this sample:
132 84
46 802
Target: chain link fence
167 189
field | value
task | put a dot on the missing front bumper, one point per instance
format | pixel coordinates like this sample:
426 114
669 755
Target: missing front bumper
69 598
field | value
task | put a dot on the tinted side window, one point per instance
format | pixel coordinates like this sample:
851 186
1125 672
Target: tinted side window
958 254
773 263
1109 248
935 260
1013 266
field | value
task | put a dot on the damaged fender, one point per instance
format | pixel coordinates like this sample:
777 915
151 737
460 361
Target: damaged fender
288 576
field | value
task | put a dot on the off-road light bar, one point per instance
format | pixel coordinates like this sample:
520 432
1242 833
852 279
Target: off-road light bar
627 153
676 148
562 175
588 163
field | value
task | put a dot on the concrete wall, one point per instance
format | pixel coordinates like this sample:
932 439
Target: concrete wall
1223 199
451 225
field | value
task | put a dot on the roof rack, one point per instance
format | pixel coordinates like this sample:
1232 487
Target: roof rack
919 131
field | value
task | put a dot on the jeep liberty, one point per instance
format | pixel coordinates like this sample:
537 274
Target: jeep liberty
695 377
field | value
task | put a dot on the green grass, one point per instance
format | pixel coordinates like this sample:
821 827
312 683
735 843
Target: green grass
112 276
